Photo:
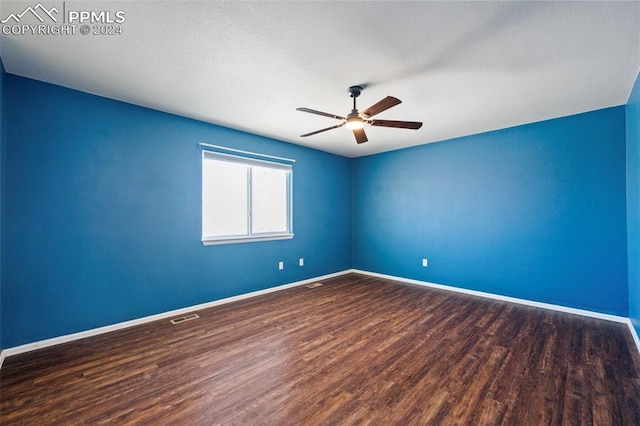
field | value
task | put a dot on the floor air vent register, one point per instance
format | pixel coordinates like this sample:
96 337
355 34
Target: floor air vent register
185 318
314 285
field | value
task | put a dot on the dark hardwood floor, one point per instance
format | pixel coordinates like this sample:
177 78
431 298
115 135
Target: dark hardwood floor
358 350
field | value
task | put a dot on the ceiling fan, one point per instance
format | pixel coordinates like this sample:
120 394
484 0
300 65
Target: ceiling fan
356 120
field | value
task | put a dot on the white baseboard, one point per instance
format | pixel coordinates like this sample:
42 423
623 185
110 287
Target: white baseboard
550 306
177 312
634 334
96 331
559 308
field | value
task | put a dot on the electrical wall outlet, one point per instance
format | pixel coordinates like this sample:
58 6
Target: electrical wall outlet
301 261
281 265
425 262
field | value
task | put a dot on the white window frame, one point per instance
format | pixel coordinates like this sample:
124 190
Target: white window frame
250 236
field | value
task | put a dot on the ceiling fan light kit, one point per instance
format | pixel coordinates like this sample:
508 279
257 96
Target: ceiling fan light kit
355 120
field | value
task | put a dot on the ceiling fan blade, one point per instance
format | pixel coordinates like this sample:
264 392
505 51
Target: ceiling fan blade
415 125
322 130
326 114
361 137
383 105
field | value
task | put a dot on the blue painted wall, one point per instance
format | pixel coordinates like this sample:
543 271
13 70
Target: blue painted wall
633 202
535 212
103 214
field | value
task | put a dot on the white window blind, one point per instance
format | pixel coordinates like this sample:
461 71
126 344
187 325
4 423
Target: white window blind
244 199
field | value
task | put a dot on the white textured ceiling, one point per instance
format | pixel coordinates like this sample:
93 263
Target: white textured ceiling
459 67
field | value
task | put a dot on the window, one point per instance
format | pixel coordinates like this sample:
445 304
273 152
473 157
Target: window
244 199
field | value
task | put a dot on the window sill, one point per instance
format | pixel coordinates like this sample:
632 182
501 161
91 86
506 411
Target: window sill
235 240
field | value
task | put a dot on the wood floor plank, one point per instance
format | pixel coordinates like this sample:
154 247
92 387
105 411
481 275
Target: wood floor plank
356 351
